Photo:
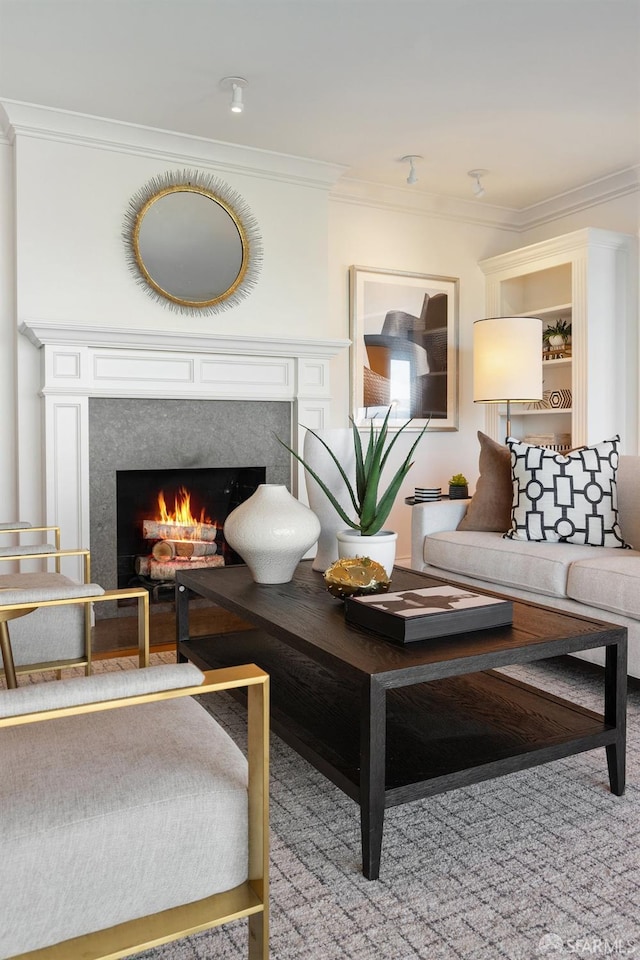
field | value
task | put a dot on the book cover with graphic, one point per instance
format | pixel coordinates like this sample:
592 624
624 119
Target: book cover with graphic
409 615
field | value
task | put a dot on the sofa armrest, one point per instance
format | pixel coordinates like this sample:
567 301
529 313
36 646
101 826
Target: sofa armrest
428 518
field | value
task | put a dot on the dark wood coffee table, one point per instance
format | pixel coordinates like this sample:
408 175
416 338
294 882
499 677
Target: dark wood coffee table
389 724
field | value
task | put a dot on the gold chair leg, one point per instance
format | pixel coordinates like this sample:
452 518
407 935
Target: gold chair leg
7 657
143 630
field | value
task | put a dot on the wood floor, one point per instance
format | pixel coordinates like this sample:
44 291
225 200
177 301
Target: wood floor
117 637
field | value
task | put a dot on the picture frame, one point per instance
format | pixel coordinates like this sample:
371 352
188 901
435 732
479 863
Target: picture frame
404 347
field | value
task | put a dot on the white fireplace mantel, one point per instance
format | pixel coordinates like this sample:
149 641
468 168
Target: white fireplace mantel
88 361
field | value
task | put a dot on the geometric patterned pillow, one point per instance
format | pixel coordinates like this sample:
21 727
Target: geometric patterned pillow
570 498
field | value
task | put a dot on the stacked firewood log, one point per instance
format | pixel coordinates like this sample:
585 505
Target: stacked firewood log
177 547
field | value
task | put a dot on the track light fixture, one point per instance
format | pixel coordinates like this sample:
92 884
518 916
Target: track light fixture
411 158
478 189
236 85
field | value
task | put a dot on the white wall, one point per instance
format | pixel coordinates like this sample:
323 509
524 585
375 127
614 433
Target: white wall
71 194
403 241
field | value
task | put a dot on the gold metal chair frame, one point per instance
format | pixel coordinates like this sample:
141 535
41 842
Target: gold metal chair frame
14 610
250 899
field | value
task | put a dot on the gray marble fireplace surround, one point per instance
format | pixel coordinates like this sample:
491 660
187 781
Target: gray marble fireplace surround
152 434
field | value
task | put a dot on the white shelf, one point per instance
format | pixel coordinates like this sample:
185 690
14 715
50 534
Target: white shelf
549 313
562 362
539 413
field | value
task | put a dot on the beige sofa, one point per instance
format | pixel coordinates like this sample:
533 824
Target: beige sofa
598 582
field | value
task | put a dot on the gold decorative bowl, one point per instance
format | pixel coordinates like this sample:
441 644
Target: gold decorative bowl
353 576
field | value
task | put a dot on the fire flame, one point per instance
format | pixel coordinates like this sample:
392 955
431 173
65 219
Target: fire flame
182 516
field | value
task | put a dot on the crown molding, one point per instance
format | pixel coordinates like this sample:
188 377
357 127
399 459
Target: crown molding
18 119
420 203
400 199
621 184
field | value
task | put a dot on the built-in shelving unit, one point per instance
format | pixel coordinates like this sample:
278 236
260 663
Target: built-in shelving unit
584 278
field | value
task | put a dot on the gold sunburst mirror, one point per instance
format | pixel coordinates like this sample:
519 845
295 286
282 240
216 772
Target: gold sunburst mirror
192 242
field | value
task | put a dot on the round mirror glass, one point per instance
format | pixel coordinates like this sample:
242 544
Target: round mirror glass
193 245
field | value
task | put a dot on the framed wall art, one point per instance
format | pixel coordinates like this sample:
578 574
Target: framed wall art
404 347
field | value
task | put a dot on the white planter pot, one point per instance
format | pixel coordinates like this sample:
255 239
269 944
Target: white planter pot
341 442
271 531
380 547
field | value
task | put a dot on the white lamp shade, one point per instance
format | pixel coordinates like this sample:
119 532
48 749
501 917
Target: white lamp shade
507 359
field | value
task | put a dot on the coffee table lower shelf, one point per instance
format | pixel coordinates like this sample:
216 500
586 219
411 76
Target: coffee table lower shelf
439 735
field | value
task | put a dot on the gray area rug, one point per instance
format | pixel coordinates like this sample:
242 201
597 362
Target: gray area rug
540 863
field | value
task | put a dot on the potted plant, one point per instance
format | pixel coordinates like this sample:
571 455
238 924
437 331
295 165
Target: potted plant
458 487
370 506
557 334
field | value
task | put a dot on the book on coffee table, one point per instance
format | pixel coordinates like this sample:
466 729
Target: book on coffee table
410 615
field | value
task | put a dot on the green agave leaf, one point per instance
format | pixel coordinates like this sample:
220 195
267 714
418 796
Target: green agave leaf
371 511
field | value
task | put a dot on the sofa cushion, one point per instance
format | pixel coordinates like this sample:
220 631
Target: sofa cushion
536 567
157 793
570 498
610 583
490 507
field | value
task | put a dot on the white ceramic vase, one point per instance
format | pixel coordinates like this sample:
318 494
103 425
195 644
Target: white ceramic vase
271 531
380 547
341 442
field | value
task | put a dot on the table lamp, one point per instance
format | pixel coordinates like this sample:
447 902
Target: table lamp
507 361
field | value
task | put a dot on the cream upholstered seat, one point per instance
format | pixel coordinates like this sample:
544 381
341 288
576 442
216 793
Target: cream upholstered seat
57 632
130 817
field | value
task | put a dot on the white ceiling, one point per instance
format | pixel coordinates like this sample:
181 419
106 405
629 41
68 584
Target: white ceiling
543 94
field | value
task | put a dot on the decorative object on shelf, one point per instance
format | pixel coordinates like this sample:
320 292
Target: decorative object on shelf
371 508
560 442
192 242
507 363
458 487
556 340
321 462
355 576
557 353
408 322
271 531
540 404
557 334
427 493
560 399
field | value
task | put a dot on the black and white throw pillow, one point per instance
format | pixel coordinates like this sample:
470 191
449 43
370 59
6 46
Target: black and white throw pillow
565 497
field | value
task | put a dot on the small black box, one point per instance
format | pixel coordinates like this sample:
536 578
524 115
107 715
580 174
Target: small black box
411 615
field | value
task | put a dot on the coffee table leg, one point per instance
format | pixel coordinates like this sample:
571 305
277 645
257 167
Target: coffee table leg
182 618
372 775
615 712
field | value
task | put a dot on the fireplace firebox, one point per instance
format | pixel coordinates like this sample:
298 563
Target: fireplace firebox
172 519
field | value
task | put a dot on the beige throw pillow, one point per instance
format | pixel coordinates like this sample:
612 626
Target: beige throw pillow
490 507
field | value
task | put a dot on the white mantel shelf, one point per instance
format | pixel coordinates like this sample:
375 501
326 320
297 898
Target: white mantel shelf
81 362
43 332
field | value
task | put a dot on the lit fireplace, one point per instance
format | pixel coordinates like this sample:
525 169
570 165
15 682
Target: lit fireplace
178 540
170 520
